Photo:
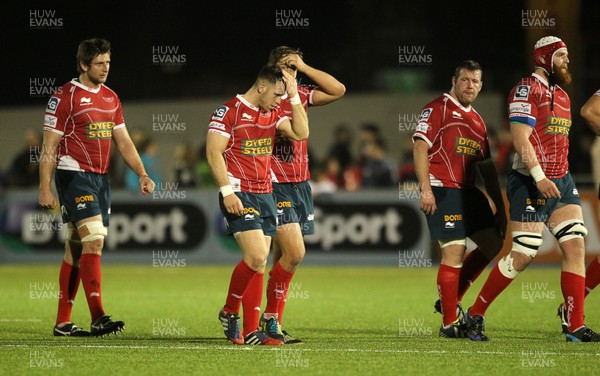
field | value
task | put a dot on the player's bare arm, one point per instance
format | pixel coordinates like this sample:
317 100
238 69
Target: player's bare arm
329 88
132 158
590 112
46 199
489 175
215 147
421 160
520 134
297 127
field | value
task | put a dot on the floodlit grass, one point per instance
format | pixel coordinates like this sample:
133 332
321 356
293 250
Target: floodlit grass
354 321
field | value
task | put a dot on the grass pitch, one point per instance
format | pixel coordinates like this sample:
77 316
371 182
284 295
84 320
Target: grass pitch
354 321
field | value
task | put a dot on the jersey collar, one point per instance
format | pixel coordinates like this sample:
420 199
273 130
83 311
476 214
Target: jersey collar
76 82
540 78
457 103
244 101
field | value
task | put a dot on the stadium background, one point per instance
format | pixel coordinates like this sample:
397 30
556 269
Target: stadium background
174 63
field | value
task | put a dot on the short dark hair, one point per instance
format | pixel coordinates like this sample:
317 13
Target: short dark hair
270 73
89 49
280 52
470 65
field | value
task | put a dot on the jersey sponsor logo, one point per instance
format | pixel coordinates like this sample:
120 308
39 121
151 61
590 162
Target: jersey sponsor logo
425 114
453 217
52 105
284 204
257 147
520 107
456 115
450 219
50 121
535 201
250 213
246 116
100 130
214 124
220 113
467 146
558 125
84 198
422 127
84 101
522 92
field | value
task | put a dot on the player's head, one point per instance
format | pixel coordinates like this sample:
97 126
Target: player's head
270 87
278 57
467 82
93 59
551 55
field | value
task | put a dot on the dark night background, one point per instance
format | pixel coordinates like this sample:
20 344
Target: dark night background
225 44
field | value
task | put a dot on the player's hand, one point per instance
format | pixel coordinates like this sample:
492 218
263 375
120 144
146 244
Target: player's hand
501 222
233 205
290 84
428 202
294 61
547 188
146 185
47 200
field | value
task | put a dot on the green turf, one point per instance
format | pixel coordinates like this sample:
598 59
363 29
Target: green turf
353 320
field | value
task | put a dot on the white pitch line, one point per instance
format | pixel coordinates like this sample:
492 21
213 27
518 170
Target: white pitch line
20 320
251 348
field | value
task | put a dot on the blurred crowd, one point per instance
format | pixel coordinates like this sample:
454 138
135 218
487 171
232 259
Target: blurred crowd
354 160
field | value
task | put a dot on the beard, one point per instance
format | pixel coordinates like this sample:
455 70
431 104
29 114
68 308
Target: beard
561 75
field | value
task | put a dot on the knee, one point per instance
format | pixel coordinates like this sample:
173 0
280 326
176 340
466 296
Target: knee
256 261
295 257
92 236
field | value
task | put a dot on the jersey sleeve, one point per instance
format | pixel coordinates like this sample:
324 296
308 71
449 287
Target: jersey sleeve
308 91
119 121
429 125
485 150
521 106
57 113
221 121
281 117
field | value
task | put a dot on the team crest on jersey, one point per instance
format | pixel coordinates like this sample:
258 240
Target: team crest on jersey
220 113
522 92
425 114
558 125
467 146
108 99
52 105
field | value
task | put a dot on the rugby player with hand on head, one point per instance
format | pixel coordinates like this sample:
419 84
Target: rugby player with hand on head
293 195
239 145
